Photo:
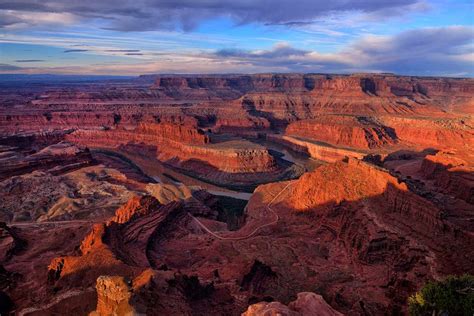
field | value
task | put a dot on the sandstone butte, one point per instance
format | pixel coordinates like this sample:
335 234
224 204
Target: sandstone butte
265 194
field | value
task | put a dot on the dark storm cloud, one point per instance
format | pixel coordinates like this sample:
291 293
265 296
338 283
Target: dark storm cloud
75 50
142 15
424 51
29 60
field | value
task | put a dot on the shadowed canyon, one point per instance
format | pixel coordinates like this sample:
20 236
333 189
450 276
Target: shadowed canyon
262 194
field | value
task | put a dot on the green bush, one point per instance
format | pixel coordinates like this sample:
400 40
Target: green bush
452 296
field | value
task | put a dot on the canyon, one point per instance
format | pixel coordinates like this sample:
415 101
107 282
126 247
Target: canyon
292 194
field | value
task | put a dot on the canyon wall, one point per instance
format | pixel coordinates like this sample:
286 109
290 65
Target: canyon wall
315 150
345 131
451 174
183 143
429 132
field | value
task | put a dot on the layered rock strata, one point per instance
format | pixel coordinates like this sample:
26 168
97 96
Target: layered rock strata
344 131
184 144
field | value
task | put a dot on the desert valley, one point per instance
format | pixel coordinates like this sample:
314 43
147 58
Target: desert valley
260 194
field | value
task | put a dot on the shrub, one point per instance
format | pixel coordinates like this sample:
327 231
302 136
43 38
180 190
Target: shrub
452 296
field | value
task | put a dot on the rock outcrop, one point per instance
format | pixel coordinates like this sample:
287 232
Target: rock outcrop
113 297
307 304
187 144
56 159
424 133
10 242
344 131
317 150
91 192
450 174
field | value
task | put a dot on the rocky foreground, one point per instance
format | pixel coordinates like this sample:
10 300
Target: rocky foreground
227 195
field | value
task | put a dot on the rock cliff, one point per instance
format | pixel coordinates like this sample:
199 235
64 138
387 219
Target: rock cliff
345 131
307 304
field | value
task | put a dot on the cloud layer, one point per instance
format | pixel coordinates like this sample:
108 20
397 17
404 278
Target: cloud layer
448 50
444 51
145 15
337 36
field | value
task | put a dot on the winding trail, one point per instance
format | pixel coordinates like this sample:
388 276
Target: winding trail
268 207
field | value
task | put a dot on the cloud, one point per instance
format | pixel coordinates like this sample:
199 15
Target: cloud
30 17
445 51
122 50
29 60
428 51
75 50
7 67
145 15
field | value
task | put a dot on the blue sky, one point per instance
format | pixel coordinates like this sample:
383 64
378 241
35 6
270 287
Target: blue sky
131 37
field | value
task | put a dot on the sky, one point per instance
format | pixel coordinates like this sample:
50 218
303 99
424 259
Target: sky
133 37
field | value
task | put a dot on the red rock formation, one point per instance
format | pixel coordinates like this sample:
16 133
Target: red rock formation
184 144
239 123
307 304
121 248
113 297
278 98
356 181
122 239
136 206
377 221
358 84
451 174
56 159
181 133
348 181
10 242
349 231
429 132
317 150
345 131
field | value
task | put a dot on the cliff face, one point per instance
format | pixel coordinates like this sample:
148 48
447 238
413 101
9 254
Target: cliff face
119 245
363 217
354 181
178 133
306 304
350 181
118 256
354 84
357 132
450 174
366 194
429 132
183 143
315 150
303 96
